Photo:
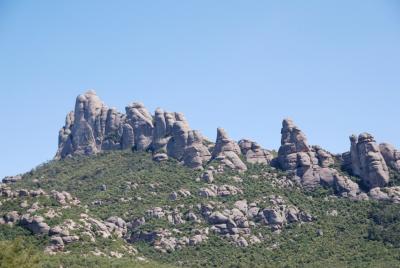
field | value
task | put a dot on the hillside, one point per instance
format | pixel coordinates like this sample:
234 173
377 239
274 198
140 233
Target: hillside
127 185
140 190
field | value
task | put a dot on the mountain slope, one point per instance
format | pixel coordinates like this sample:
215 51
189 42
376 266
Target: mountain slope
130 185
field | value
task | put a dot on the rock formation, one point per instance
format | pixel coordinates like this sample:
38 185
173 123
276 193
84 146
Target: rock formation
196 154
141 122
367 161
254 153
295 155
227 152
93 128
84 129
311 166
391 156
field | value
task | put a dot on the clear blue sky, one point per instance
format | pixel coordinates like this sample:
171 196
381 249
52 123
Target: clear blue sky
333 66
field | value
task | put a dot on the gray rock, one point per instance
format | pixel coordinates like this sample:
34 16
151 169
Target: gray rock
242 205
160 157
368 162
274 217
70 239
377 194
128 137
296 156
227 152
196 154
113 130
391 156
84 130
217 218
310 165
12 217
177 144
12 179
142 124
254 153
35 224
57 241
207 176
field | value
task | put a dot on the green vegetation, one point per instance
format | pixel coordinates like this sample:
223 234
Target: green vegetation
18 253
363 234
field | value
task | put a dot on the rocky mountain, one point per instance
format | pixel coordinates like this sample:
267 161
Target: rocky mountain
126 189
93 128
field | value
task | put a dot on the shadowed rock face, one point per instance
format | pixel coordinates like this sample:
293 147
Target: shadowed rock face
367 161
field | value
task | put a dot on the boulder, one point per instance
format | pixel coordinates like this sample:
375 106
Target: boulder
35 224
160 157
217 218
207 176
12 179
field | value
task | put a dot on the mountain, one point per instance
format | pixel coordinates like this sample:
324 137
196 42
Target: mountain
143 190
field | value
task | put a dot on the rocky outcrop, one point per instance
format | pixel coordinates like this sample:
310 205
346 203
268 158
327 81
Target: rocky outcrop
227 152
35 224
196 154
179 137
141 122
391 156
254 153
296 156
391 194
113 130
367 161
84 129
93 128
310 165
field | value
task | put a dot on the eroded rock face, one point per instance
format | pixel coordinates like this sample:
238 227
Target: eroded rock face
93 128
142 124
311 165
227 152
391 155
84 129
295 155
254 153
177 144
113 130
367 161
196 154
